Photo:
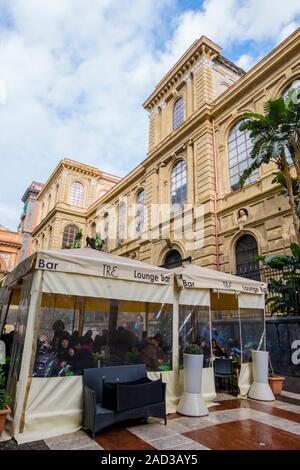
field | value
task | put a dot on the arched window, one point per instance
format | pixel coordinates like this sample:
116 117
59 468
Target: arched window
239 149
245 250
140 212
295 84
172 260
178 113
76 194
69 235
178 183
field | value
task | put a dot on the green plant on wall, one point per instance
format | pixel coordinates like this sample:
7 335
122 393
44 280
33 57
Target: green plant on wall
4 399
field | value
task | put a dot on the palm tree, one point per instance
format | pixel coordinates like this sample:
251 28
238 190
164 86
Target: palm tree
276 138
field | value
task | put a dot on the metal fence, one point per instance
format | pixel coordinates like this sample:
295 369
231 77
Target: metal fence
290 296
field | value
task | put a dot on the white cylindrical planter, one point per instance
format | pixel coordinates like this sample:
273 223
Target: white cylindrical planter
260 389
192 402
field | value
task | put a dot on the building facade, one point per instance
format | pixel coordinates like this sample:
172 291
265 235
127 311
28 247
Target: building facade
10 244
195 159
29 218
63 202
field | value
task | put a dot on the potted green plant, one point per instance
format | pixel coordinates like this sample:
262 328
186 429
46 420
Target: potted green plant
4 408
192 402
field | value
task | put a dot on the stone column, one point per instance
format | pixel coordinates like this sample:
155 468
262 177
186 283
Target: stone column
189 94
190 172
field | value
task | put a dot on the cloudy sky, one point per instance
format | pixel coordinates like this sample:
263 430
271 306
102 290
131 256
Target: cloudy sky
74 73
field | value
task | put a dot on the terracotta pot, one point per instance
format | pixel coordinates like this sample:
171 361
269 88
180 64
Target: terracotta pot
3 415
276 384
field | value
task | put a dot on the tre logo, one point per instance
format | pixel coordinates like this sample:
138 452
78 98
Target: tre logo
296 354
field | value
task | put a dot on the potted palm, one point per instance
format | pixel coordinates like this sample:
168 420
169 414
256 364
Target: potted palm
4 408
192 402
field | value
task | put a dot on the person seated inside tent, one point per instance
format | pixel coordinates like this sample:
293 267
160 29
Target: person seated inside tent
59 333
162 348
217 350
123 341
100 341
149 355
63 350
74 338
143 341
89 336
205 349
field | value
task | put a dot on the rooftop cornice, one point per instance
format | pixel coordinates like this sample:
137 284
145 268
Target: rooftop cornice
67 164
271 60
203 47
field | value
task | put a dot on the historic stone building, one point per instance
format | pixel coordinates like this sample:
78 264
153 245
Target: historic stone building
29 218
196 156
10 244
63 202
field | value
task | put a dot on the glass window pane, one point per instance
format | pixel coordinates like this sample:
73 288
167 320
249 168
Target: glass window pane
194 328
76 194
178 113
252 330
58 339
239 151
178 183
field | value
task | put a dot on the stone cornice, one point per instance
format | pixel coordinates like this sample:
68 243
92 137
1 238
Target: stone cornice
59 209
204 48
67 164
16 245
263 67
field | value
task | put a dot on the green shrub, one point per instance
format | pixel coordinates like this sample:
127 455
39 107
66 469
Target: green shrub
193 349
3 395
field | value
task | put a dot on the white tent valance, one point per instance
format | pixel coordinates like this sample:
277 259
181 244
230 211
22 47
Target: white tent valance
198 297
195 277
92 286
98 263
251 301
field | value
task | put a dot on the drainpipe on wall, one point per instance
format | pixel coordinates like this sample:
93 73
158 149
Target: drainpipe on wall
216 194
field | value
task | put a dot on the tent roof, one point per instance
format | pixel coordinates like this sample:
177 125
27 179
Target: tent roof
192 276
87 261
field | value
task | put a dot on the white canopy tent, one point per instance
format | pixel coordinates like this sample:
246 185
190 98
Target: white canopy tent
242 301
48 406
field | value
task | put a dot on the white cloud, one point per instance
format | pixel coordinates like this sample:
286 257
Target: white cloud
77 71
246 61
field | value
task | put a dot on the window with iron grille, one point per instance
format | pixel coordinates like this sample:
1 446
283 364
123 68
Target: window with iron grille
178 184
239 150
76 194
178 113
245 251
69 235
140 212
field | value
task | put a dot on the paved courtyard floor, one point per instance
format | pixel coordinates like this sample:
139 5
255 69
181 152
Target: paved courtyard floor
232 424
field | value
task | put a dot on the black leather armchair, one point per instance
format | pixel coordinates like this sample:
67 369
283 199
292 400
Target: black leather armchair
97 417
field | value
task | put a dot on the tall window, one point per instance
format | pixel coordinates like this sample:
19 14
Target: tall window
140 212
69 235
121 223
245 252
178 113
178 183
76 194
239 149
